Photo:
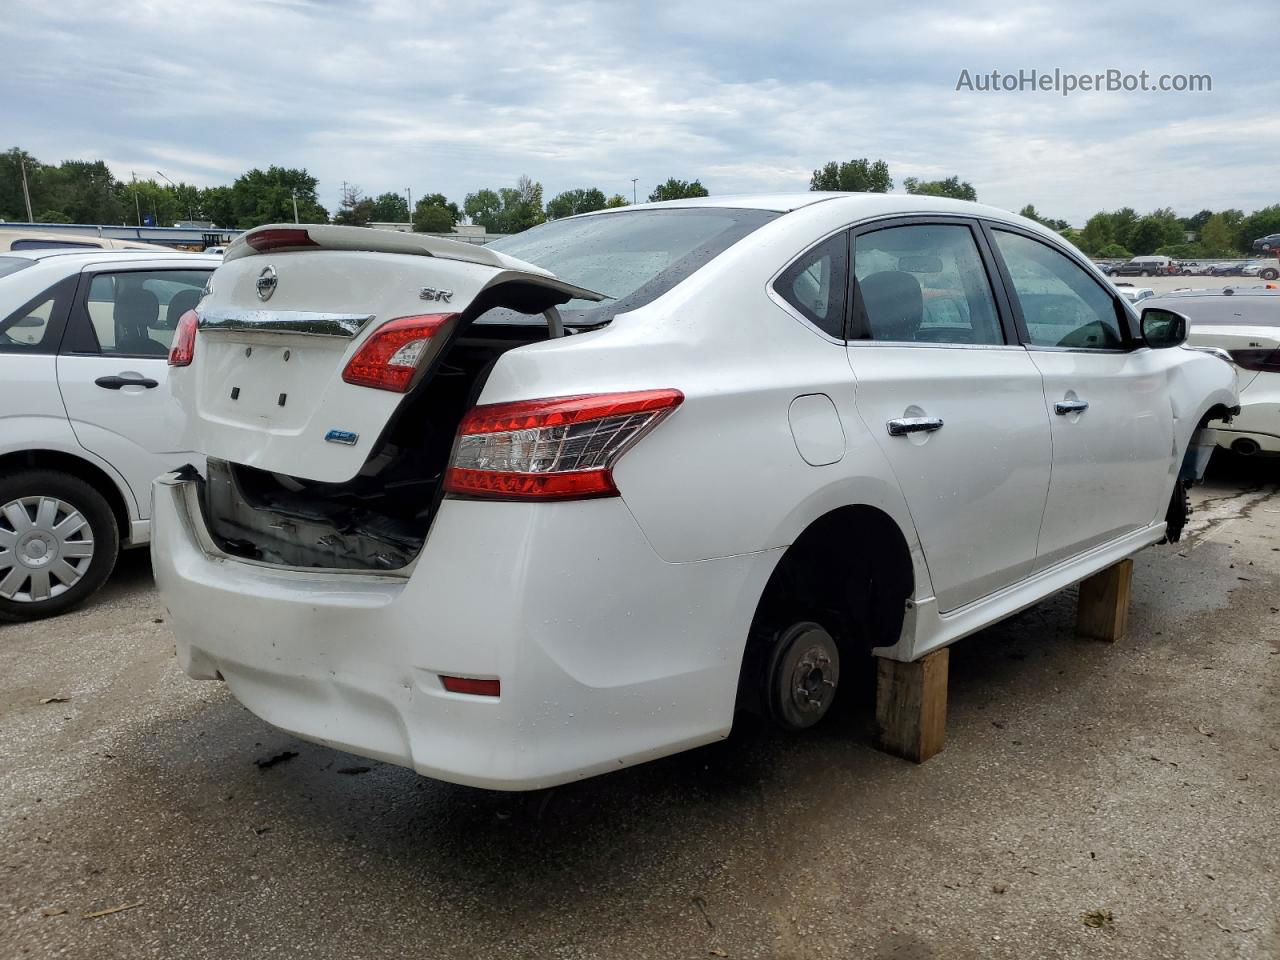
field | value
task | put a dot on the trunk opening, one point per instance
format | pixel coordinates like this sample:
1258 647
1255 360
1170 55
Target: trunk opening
378 520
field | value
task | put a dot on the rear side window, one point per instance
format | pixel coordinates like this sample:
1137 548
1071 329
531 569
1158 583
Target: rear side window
633 257
1062 304
817 285
134 313
50 245
923 283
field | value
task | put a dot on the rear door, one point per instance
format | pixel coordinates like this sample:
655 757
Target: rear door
112 369
957 408
1106 396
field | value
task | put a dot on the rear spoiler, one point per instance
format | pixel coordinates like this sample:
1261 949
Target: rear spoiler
281 237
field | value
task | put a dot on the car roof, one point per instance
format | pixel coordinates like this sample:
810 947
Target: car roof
84 256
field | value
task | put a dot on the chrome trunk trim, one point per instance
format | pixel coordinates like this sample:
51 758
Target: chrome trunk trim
295 322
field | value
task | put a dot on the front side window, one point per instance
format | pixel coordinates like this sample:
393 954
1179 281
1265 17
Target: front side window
36 325
923 283
817 284
1062 304
134 313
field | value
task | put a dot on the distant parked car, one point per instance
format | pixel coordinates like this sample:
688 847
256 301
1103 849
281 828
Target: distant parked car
1270 242
1134 294
1229 268
1146 267
33 240
1263 269
86 422
215 251
1246 323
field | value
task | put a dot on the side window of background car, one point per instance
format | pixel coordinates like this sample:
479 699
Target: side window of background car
1062 305
923 283
134 313
817 284
34 327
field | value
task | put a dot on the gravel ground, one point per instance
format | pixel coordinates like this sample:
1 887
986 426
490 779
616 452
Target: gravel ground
1093 800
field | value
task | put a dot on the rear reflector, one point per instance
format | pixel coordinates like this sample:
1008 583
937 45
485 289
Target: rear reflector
390 357
561 448
279 239
183 349
477 688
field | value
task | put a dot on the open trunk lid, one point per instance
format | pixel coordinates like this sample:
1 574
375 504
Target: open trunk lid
289 309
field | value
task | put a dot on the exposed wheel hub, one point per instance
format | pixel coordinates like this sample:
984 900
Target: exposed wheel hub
804 677
46 547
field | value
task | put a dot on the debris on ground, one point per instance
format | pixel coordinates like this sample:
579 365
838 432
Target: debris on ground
1101 919
999 887
352 771
52 911
264 762
259 831
111 910
55 700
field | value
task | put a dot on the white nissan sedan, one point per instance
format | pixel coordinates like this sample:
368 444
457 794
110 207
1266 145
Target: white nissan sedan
85 421
519 514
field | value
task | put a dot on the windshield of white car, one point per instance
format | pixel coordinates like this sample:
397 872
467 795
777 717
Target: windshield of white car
10 265
632 257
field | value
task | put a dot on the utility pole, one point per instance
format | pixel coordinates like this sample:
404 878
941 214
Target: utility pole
295 205
190 213
26 194
633 189
408 198
137 207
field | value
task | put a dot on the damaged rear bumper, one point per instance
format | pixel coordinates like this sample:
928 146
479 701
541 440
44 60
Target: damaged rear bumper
540 596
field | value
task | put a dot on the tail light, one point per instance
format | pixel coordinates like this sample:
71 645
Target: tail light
562 448
280 239
1267 360
389 359
475 686
183 349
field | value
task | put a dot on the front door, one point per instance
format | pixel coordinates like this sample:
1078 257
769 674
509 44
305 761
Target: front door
957 409
1106 397
113 369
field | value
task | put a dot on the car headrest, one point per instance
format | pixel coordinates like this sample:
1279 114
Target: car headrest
893 305
134 312
182 301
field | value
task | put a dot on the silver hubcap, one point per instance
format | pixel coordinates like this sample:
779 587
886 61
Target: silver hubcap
46 546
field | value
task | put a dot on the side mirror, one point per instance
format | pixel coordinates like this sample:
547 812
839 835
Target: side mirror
1163 328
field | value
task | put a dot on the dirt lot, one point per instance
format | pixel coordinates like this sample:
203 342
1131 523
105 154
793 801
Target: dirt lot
1093 800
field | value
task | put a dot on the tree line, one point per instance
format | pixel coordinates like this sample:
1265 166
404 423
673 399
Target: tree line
86 191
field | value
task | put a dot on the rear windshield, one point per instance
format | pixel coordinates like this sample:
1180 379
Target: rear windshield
631 257
10 265
1218 310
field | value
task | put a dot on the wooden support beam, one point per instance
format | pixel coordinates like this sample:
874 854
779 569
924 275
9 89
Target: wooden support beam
911 706
1103 609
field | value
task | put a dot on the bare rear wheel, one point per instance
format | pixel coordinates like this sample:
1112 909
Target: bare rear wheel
803 676
58 543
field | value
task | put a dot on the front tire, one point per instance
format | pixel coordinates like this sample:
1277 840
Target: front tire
58 543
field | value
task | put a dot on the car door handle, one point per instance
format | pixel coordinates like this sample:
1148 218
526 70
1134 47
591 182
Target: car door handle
1064 407
115 383
904 425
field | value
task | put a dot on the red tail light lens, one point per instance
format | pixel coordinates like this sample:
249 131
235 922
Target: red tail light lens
183 349
562 448
473 686
1265 360
279 239
389 359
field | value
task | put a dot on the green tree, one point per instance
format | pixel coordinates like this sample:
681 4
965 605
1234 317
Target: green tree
266 196
860 176
1157 229
951 187
435 214
1098 232
1215 237
573 202
617 200
389 208
675 189
483 207
1257 224
508 210
217 204
1112 251
1196 223
356 210
1030 212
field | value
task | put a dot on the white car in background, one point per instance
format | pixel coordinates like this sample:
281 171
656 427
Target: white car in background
1244 321
86 421
20 239
464 514
1135 294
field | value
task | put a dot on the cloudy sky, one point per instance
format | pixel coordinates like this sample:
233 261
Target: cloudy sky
451 97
